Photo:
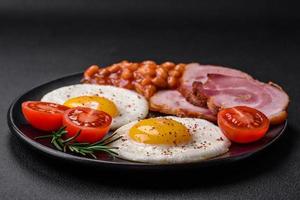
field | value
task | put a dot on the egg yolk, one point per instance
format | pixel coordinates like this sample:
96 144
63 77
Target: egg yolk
160 131
95 102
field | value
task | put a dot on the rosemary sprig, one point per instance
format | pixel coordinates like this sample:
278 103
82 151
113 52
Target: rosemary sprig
82 148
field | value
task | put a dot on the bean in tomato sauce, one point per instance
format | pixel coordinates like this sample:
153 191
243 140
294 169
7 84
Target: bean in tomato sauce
146 77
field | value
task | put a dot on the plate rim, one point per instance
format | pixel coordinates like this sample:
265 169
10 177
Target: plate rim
69 157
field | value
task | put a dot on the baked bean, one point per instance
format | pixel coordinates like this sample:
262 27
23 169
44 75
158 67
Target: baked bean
180 67
133 66
128 85
149 70
149 91
168 65
114 68
141 70
139 88
146 81
137 75
151 66
125 84
115 81
172 81
146 71
91 71
160 72
125 65
98 75
159 82
148 62
104 72
174 73
113 76
126 74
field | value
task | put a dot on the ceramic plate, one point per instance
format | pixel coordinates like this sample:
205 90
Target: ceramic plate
25 132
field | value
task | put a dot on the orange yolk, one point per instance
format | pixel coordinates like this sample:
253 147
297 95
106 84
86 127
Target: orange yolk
95 102
160 131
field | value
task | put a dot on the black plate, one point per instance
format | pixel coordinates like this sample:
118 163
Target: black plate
19 127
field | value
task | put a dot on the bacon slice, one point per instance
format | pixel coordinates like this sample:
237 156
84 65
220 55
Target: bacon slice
172 102
227 91
197 72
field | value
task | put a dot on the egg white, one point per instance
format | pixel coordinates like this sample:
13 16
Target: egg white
131 105
207 141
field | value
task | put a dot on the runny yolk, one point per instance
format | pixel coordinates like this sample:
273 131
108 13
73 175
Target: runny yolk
160 131
95 102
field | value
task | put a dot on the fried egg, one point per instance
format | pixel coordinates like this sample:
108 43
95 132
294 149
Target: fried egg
170 140
123 105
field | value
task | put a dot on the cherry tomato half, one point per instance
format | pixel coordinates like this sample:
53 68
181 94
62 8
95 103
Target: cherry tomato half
43 115
93 124
242 124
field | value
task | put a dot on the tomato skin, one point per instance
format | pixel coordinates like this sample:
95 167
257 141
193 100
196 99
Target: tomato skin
43 120
242 134
87 134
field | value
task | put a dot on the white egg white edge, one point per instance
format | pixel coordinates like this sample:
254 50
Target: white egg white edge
195 156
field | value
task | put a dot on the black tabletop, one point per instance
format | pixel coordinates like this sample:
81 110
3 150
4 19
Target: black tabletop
38 48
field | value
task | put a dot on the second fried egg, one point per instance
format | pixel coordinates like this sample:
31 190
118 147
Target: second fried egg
170 140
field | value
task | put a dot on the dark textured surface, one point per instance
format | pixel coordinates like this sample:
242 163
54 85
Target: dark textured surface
34 50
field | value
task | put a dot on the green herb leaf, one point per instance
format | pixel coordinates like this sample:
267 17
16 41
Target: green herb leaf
84 148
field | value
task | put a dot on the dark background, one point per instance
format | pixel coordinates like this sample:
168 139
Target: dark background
43 40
